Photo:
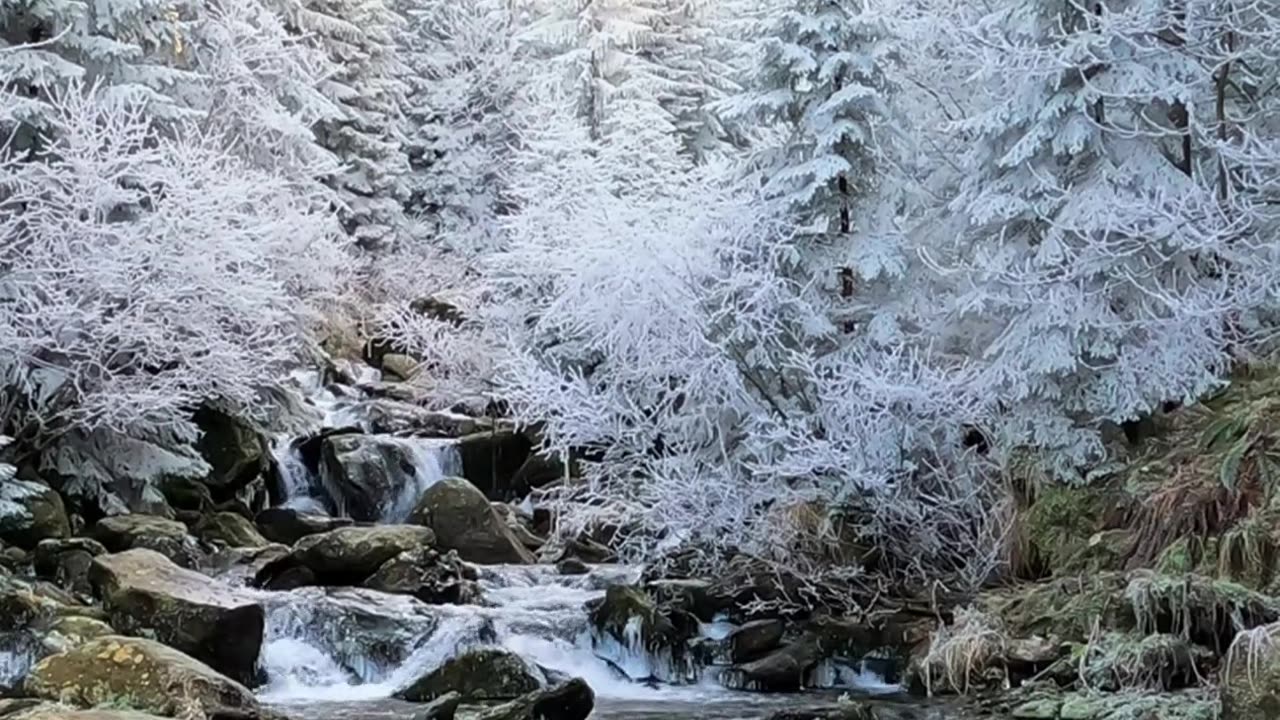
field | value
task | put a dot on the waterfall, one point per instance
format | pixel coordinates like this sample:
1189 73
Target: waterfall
432 460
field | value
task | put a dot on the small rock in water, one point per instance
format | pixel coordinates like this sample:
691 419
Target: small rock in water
442 708
572 566
755 639
477 675
572 700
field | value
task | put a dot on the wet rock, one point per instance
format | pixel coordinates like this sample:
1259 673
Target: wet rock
463 520
492 459
755 639
783 670
622 605
236 452
478 675
239 566
186 494
518 527
288 526
30 512
69 632
427 575
167 537
571 700
390 417
66 562
142 674
372 474
230 529
572 566
849 710
31 709
442 708
349 555
207 619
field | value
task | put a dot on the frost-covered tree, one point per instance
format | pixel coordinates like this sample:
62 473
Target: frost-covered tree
1099 273
359 38
109 334
134 50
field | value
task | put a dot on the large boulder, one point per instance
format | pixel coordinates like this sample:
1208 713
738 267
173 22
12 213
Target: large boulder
349 555
754 639
32 709
235 451
493 461
570 700
427 575
376 478
229 529
30 512
287 526
463 520
167 537
140 674
66 562
478 675
215 623
784 670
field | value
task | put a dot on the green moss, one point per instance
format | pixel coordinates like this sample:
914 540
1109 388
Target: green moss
1067 608
1066 526
1204 610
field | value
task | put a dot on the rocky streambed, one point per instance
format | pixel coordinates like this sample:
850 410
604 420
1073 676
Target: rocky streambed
391 562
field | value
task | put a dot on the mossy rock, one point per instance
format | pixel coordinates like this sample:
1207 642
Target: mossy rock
151 532
624 605
218 624
571 700
1250 687
355 553
36 512
72 631
235 451
230 529
1065 608
477 676
463 520
36 710
139 674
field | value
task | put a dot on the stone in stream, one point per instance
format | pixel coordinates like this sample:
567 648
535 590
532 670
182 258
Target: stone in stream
463 520
230 529
427 575
210 620
347 556
372 474
167 537
755 639
66 562
572 566
33 512
442 708
32 709
783 670
141 674
287 526
571 700
477 676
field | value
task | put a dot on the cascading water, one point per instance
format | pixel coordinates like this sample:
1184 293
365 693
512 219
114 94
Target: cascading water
432 461
342 646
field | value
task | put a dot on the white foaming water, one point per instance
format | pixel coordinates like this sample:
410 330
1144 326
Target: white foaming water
360 645
433 460
834 674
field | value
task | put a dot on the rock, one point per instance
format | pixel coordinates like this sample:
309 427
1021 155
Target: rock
229 529
478 675
73 631
427 575
207 619
186 494
571 700
1038 709
39 710
783 670
572 566
288 526
442 708
516 524
492 459
621 605
66 562
754 639
1250 687
138 673
390 417
464 521
349 555
167 537
239 566
397 366
376 476
30 512
235 451
846 710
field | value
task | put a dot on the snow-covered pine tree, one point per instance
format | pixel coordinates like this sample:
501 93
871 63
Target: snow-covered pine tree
819 92
1100 274
359 38
136 50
